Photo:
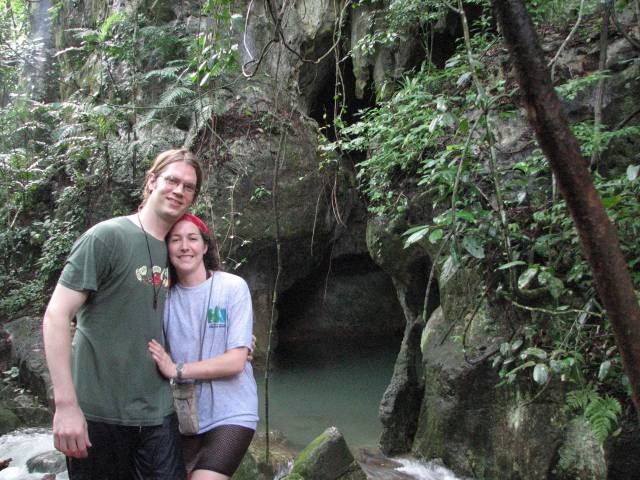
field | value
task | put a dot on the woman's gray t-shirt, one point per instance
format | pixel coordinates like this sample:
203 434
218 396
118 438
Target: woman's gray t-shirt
228 318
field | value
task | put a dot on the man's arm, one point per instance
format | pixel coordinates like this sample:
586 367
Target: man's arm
70 434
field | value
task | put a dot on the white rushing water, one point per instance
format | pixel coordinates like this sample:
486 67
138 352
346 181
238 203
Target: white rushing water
20 446
24 444
424 470
377 466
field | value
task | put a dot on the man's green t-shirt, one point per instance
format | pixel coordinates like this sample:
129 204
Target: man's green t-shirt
116 379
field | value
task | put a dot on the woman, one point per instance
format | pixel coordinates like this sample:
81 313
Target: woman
203 299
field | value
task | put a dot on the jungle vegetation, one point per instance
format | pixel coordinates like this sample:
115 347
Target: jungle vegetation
430 133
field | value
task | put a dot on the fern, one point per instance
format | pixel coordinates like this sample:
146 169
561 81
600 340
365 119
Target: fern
85 34
114 19
175 96
580 399
602 413
167 73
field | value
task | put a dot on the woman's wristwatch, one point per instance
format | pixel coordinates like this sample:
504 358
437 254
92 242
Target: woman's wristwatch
179 370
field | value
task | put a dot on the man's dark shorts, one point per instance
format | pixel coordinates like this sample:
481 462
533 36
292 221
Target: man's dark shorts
126 453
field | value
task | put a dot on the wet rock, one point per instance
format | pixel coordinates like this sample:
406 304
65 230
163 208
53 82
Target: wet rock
5 463
326 458
254 465
580 457
477 429
27 351
408 269
8 420
48 462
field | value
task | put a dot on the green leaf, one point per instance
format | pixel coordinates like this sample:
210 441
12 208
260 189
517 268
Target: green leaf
527 276
541 373
632 172
556 286
528 364
436 235
534 352
472 245
466 215
449 269
604 370
521 196
610 202
511 264
515 345
556 365
413 230
205 79
602 414
416 236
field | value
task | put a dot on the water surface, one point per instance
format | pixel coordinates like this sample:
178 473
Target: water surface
339 384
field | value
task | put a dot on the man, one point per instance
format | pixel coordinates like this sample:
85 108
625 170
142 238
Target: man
113 410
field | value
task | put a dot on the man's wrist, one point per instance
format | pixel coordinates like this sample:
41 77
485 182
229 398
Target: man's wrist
65 402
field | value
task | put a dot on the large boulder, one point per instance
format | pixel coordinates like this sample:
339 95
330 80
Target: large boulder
474 427
327 457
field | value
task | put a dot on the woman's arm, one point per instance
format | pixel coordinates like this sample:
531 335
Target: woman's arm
229 363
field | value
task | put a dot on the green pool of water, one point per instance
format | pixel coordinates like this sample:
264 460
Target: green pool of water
318 385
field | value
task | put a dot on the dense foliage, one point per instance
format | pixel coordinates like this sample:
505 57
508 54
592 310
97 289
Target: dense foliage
435 137
430 135
67 163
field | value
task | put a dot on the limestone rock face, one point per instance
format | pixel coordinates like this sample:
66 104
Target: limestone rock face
408 269
326 458
580 455
476 428
27 349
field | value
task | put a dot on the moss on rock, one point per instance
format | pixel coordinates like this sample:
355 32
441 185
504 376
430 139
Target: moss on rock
327 457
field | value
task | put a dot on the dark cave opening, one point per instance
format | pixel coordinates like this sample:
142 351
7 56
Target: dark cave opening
350 300
323 107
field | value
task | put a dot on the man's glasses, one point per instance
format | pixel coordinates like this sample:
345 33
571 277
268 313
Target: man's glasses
174 182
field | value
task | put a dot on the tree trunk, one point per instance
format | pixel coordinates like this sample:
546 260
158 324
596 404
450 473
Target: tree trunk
598 236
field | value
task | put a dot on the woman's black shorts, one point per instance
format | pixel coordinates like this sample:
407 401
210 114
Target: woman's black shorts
219 450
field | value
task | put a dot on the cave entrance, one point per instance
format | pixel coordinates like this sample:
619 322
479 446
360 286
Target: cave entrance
339 333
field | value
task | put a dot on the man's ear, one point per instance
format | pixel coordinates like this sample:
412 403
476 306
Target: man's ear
151 182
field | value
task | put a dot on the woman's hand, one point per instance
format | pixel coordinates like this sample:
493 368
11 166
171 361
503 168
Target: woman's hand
164 362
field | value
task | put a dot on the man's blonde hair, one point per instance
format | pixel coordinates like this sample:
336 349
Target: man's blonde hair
165 159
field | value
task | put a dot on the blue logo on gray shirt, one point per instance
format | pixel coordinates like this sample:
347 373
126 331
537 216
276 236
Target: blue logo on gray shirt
217 317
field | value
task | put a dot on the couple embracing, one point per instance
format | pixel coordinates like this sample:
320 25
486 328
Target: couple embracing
140 322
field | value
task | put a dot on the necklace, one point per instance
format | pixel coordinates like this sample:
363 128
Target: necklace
156 288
